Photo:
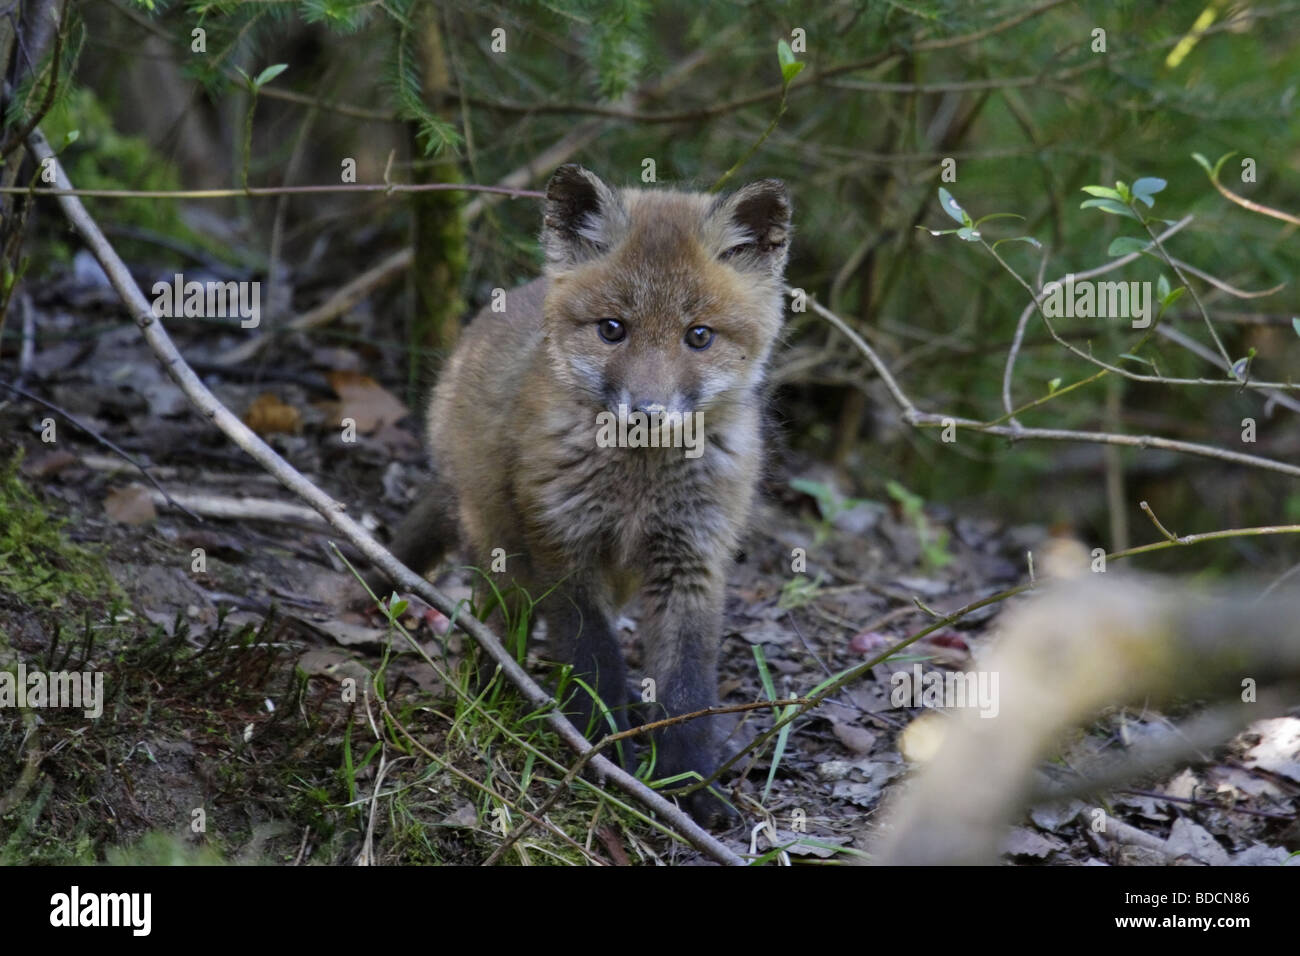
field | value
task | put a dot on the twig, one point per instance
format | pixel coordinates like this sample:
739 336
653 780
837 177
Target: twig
1245 203
1009 370
1208 804
917 418
1185 341
107 443
156 336
15 138
227 508
238 192
1156 521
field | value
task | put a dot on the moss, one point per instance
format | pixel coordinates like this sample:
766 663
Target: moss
39 566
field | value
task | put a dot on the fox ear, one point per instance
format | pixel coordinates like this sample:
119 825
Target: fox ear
580 210
755 222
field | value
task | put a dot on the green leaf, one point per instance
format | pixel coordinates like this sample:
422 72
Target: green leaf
1133 358
823 494
1147 187
269 74
1029 239
1124 193
996 215
1172 297
1123 245
1162 287
1205 164
1108 205
951 207
1053 385
790 67
70 137
968 233
937 232
1295 324
1104 192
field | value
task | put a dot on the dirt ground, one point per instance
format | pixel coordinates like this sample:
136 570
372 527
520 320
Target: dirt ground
225 736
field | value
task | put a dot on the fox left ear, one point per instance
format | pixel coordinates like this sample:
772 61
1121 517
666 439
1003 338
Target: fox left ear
582 214
756 227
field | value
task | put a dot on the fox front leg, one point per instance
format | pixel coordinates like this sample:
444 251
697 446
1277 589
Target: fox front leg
583 634
681 633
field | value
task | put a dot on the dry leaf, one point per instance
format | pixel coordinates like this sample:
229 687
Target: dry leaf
365 401
48 463
268 415
130 505
857 739
1022 841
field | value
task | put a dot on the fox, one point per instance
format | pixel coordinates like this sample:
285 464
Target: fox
655 306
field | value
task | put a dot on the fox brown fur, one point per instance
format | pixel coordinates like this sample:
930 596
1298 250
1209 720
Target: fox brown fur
512 431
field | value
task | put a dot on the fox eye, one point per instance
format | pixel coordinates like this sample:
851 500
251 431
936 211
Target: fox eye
699 337
611 330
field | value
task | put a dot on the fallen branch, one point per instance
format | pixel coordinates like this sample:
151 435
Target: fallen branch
334 512
1086 644
229 508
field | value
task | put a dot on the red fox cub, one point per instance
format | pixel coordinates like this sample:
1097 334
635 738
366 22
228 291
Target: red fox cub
601 434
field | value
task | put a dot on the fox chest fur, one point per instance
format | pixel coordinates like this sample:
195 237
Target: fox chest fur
656 315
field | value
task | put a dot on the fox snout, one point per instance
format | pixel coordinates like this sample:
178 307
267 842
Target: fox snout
653 404
649 386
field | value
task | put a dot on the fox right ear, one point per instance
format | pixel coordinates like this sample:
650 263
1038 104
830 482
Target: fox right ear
580 210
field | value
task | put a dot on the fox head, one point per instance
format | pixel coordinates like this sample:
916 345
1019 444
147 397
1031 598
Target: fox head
660 300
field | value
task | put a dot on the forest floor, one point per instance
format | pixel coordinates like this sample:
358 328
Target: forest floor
226 737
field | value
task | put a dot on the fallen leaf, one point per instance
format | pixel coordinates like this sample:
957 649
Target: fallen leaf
1261 855
1022 841
130 505
365 401
268 415
1053 816
333 664
349 635
859 740
1188 839
48 463
870 642
1278 750
464 816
